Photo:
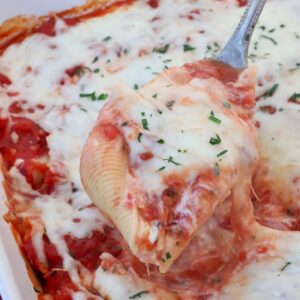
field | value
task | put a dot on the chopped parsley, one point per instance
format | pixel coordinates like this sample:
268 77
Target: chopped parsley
214 48
167 61
145 124
187 48
124 124
159 111
93 96
170 104
136 87
162 50
294 98
262 27
171 160
285 266
106 39
154 96
215 140
138 295
270 92
222 153
102 97
97 70
161 169
182 151
139 138
213 118
268 38
83 109
167 256
96 58
160 141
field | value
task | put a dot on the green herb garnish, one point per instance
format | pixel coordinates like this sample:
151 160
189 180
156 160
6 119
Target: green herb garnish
102 97
182 151
222 153
294 98
270 92
106 39
171 160
162 50
187 48
160 141
140 137
285 266
161 169
215 141
145 124
95 59
93 96
213 118
138 295
268 38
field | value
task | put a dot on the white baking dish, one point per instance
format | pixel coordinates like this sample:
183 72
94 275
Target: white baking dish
14 281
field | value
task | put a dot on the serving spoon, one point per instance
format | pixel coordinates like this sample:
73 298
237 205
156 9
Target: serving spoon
235 52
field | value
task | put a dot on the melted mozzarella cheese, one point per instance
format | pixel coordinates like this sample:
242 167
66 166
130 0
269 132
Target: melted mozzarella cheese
273 277
128 57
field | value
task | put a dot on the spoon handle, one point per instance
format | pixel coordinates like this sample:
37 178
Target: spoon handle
235 51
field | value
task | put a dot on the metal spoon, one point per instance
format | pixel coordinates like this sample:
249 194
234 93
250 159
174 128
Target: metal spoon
235 52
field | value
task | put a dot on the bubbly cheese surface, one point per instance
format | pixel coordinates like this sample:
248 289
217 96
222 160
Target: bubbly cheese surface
132 46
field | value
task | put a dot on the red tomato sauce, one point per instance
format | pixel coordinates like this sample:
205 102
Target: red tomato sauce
30 140
29 144
59 285
88 250
109 131
48 27
153 3
242 3
4 80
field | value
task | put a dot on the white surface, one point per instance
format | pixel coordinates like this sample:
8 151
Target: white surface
12 8
14 282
